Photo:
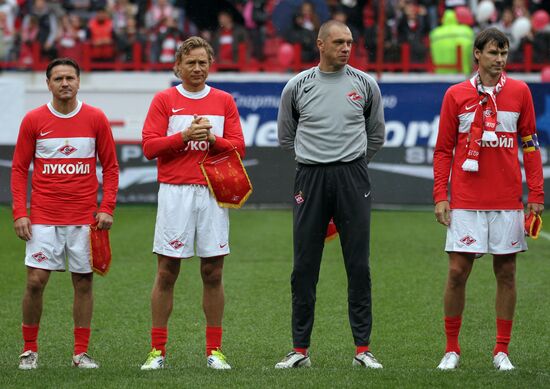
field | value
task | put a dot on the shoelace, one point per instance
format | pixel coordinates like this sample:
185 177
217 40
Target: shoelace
218 354
153 354
29 358
289 355
85 358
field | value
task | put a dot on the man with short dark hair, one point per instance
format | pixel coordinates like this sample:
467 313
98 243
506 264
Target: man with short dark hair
481 119
183 124
62 139
331 116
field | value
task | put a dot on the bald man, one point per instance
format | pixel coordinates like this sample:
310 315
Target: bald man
331 117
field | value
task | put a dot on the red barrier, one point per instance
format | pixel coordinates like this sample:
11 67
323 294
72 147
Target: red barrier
245 63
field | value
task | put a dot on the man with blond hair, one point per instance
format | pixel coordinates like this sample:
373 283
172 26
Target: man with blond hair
184 123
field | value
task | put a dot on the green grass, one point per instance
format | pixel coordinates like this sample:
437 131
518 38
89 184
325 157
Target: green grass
408 271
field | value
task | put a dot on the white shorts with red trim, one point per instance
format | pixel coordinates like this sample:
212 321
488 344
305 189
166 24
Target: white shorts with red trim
189 217
486 232
50 246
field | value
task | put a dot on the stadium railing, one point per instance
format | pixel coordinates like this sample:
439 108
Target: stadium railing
245 63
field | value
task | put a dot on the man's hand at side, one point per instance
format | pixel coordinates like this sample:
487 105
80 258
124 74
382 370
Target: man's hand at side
104 221
535 208
23 228
443 212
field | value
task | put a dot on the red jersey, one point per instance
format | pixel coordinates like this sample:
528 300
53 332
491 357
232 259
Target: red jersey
63 150
171 112
497 185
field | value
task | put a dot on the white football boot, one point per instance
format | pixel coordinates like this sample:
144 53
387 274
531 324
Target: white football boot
216 360
28 360
366 359
84 361
449 361
294 359
155 360
502 362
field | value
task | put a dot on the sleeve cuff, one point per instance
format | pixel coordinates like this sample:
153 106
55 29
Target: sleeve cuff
19 215
535 198
440 197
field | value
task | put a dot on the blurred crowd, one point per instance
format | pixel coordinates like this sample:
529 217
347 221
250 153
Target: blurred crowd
111 28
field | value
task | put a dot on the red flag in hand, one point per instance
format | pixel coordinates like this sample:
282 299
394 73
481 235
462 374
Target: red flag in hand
533 225
100 250
227 178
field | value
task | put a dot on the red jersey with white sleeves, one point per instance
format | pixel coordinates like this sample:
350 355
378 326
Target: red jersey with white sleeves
497 185
63 150
171 112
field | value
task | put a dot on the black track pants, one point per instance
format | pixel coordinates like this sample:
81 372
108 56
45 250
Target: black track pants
341 191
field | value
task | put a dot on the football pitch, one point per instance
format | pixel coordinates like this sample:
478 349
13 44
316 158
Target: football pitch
408 273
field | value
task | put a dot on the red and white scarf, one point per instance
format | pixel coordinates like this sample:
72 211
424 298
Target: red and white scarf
484 123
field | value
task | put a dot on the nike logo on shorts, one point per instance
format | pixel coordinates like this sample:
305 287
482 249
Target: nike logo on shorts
223 245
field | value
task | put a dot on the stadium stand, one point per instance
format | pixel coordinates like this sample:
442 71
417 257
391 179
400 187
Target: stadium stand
143 34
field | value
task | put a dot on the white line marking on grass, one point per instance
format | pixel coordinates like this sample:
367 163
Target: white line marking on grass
545 235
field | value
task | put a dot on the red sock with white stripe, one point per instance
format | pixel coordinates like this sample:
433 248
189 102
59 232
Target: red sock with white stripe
504 334
159 337
30 336
301 350
452 330
81 340
213 339
361 349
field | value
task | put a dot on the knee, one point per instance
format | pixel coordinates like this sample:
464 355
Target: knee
458 276
83 283
35 286
303 276
506 275
211 275
165 279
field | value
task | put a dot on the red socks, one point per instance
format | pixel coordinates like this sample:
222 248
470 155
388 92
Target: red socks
213 339
159 337
300 350
361 349
30 336
81 340
452 329
504 333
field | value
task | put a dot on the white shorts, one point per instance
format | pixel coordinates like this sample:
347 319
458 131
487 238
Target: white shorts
50 246
189 216
486 232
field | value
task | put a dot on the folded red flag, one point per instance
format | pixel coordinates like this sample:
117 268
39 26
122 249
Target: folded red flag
533 225
332 232
100 250
227 178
